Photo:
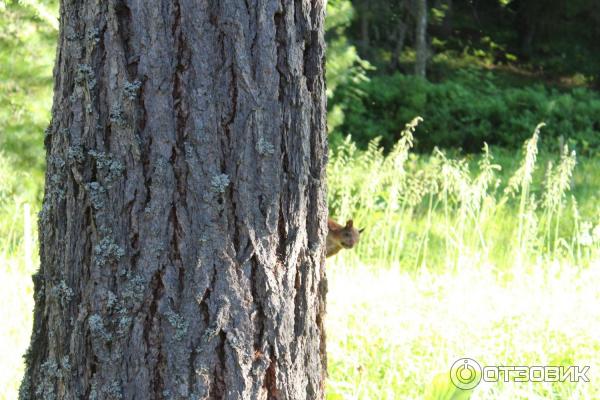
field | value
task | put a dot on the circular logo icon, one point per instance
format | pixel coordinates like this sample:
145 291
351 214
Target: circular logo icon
465 373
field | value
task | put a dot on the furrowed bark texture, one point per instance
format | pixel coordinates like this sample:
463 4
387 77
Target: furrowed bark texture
182 230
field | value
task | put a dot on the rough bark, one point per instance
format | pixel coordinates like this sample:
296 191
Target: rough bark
421 38
183 225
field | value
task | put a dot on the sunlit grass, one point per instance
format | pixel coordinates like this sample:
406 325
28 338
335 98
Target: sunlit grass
391 332
16 305
19 192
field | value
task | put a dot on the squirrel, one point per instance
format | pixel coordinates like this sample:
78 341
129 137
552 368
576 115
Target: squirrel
341 237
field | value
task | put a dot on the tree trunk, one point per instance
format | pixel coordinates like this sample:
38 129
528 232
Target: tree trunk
365 39
400 36
421 39
443 26
448 22
529 13
183 225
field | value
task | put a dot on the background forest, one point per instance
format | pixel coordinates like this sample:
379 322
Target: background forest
482 224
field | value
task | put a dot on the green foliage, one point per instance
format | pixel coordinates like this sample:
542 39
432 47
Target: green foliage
28 31
553 39
345 69
500 68
17 189
470 109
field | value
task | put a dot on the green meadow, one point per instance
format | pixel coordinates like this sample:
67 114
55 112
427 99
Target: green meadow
495 259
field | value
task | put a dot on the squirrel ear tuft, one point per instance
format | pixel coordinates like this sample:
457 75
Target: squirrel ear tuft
349 223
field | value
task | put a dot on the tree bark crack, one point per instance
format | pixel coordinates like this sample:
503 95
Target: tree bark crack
270 383
218 389
124 21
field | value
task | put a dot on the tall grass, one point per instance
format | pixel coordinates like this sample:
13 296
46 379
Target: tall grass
18 261
436 211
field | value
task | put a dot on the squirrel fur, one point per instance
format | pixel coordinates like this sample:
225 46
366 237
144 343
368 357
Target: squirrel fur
341 237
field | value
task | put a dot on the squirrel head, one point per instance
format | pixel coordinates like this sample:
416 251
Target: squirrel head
350 224
349 236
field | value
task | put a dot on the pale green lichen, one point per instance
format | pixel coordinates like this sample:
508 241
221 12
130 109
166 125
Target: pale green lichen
113 391
93 36
65 363
97 328
85 74
93 392
49 372
111 300
62 293
56 161
71 34
117 116
203 238
97 194
234 340
75 155
131 90
55 189
189 152
107 251
210 332
219 183
264 148
179 323
108 165
44 214
124 324
25 388
160 170
134 288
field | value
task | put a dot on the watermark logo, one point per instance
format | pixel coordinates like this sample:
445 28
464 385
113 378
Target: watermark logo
466 373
